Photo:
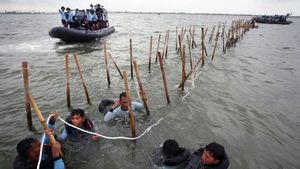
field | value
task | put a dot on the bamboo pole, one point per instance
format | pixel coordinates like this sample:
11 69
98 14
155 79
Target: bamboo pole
68 81
41 118
142 91
212 34
205 32
150 53
164 78
216 43
82 81
131 68
165 42
131 115
202 44
115 64
193 38
190 52
166 54
157 47
223 38
26 90
183 75
106 65
176 39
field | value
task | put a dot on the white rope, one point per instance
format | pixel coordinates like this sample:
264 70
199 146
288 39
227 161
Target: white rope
108 137
42 145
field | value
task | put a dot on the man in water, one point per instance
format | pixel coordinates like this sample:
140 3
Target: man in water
120 109
29 151
213 156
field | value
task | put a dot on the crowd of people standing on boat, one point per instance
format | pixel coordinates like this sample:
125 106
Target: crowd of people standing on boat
94 18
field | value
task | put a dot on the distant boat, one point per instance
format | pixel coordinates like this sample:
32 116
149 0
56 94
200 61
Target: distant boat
276 19
78 35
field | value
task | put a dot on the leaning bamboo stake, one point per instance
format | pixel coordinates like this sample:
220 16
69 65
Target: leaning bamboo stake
131 115
212 34
150 53
216 43
205 32
157 47
115 64
26 89
131 68
142 91
164 77
106 65
41 118
68 81
82 81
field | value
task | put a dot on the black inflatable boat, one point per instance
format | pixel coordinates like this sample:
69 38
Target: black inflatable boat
78 35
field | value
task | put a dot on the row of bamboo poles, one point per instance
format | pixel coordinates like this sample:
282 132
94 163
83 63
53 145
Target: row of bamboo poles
236 31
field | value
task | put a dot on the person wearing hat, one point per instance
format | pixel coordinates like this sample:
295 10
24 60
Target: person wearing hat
63 16
171 156
29 151
213 156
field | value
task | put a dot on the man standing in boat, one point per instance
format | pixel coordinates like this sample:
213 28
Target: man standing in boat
63 16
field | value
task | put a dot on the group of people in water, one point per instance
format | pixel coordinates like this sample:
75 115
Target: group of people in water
94 18
212 156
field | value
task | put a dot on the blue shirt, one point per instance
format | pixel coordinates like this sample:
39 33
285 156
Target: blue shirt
119 113
62 15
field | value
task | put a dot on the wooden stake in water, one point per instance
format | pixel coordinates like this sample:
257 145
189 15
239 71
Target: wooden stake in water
26 89
166 54
68 81
106 65
142 91
164 77
150 53
190 52
216 43
131 115
81 79
157 47
212 34
176 39
165 42
115 65
183 75
202 45
131 68
193 38
205 32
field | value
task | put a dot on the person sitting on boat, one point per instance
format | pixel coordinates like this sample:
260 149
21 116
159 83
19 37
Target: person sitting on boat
92 8
94 20
78 119
63 16
171 156
90 20
28 155
119 110
70 18
213 156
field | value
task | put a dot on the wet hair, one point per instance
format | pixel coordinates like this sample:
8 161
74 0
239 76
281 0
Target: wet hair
24 145
68 9
217 150
123 94
91 5
171 148
62 7
78 112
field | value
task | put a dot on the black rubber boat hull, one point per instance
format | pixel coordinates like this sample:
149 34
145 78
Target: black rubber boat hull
78 35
